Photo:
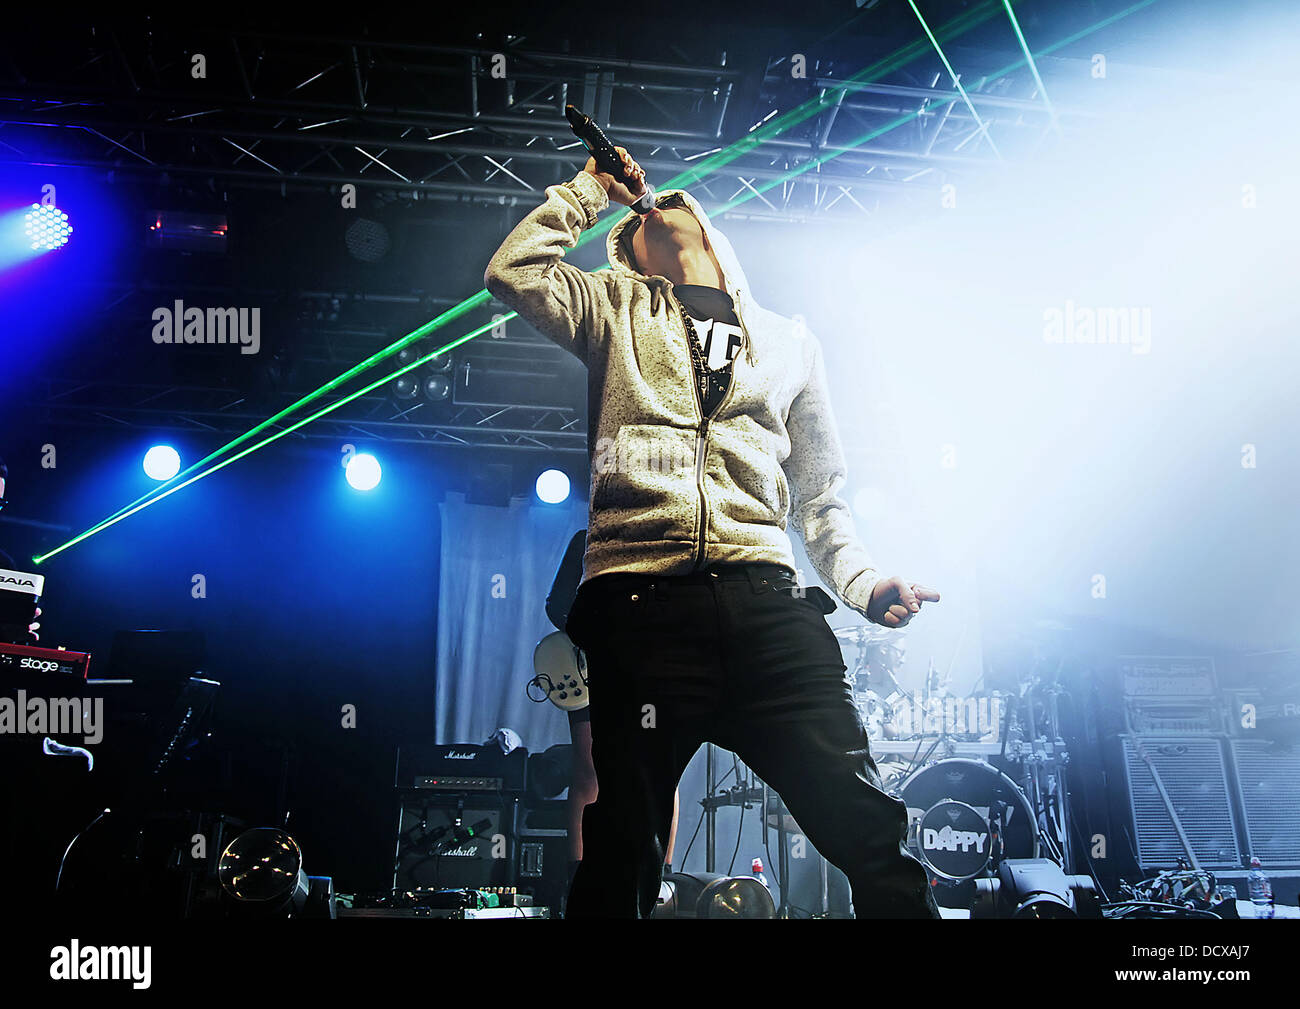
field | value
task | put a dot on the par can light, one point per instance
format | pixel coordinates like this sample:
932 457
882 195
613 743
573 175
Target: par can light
46 227
712 895
261 870
162 462
553 486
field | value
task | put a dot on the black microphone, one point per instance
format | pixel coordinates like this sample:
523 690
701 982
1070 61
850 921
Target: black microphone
607 158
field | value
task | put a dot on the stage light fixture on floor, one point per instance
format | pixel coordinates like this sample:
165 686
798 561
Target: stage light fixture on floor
262 869
261 873
1035 888
363 471
712 895
47 227
553 486
162 462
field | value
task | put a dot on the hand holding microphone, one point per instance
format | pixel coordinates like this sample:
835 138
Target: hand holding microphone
612 167
619 191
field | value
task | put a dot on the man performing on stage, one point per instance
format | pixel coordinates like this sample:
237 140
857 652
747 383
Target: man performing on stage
710 432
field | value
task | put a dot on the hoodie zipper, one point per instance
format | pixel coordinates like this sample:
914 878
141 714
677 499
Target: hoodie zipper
702 432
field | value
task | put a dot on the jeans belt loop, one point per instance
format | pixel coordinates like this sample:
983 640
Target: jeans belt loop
757 582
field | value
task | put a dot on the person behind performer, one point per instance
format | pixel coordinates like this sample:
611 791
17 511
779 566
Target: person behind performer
583 787
710 432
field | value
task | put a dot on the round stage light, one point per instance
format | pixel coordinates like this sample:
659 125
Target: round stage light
363 472
262 870
47 228
437 388
553 486
712 895
367 241
162 462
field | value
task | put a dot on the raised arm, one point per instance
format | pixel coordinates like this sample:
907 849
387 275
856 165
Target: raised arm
528 273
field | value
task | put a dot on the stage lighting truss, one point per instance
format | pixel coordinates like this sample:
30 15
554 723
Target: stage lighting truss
219 413
843 139
497 142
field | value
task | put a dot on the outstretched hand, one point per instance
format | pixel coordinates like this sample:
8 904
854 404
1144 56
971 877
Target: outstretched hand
894 602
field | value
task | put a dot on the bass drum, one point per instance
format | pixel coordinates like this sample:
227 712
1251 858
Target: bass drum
952 817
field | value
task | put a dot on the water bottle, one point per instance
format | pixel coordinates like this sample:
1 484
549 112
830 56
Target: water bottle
756 870
1261 890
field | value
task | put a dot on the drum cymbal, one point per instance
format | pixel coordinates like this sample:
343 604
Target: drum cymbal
786 822
778 815
864 634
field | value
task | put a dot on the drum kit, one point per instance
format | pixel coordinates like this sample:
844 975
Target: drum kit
936 751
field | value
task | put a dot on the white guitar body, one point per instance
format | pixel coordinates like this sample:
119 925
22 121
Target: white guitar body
561 671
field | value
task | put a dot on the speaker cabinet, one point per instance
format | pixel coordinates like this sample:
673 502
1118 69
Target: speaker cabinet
448 843
1268 776
1197 780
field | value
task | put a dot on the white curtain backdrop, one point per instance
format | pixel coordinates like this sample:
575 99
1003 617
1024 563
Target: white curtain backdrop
497 566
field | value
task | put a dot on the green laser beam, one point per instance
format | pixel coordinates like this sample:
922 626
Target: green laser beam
488 326
908 117
900 57
453 313
1033 66
800 113
128 512
955 79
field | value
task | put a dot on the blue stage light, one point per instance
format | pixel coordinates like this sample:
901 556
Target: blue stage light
553 486
363 472
47 227
162 462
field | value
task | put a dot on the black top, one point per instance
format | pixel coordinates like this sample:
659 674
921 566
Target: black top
717 330
565 587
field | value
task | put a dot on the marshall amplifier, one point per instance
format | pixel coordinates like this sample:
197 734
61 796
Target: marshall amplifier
443 843
461 767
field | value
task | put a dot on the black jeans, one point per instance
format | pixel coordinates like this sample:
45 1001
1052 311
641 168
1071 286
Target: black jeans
732 656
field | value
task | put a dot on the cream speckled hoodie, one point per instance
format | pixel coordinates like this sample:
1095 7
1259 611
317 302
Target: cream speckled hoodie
671 490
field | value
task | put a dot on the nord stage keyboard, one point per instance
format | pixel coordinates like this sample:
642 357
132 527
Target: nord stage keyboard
28 659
